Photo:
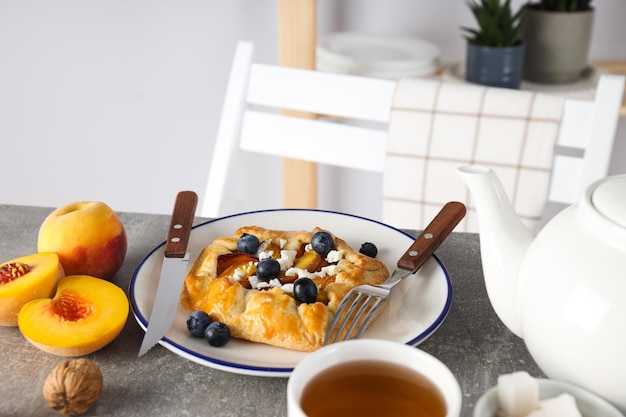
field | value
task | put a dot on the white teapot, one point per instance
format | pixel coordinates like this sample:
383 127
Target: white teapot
563 291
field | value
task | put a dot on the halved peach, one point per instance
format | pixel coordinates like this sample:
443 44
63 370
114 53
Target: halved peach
311 261
24 279
85 315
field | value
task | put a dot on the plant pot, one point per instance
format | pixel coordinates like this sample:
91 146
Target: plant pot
493 66
557 45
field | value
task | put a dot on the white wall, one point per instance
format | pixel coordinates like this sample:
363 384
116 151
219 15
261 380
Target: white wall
118 100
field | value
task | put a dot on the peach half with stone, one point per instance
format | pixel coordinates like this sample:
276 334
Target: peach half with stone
24 279
85 314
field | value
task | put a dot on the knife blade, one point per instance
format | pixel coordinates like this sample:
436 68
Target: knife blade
173 269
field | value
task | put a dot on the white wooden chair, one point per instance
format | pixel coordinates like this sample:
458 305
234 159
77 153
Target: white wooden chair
585 143
251 122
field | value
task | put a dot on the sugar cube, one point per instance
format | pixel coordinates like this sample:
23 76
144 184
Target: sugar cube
518 394
563 405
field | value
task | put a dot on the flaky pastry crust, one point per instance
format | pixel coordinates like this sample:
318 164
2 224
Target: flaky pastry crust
273 316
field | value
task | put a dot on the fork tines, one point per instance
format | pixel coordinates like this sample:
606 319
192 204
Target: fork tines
357 310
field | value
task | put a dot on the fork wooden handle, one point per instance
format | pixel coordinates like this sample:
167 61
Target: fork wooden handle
429 240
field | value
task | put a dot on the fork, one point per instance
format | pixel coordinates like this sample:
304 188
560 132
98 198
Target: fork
361 304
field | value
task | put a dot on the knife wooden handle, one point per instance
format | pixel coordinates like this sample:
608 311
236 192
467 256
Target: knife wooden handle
180 225
429 240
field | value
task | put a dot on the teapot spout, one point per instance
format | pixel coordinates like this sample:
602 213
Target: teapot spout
504 240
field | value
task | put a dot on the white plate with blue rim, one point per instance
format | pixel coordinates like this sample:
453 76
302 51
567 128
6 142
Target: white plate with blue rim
416 308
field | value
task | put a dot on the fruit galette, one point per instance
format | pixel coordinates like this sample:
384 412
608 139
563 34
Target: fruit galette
277 287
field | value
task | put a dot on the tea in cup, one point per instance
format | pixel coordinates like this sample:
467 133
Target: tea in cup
368 377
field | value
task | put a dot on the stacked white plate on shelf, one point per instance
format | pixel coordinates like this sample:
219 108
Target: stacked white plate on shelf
377 56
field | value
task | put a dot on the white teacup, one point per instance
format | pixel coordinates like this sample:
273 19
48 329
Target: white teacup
386 357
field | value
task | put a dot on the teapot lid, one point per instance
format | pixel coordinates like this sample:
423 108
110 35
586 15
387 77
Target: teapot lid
609 198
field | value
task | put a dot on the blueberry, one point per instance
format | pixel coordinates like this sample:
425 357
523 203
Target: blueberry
305 290
217 334
369 249
197 323
322 242
267 269
248 243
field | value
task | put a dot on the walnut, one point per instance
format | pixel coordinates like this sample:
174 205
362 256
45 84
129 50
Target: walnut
73 386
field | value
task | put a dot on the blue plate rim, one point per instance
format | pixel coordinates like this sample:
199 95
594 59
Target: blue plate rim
278 371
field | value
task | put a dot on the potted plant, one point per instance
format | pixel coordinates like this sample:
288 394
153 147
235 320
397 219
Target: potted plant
495 51
557 34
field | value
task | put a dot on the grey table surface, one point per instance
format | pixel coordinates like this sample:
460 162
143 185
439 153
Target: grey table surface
472 342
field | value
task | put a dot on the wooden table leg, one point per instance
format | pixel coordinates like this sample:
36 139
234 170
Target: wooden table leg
297 36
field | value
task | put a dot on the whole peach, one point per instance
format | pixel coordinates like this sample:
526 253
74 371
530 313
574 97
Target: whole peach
88 237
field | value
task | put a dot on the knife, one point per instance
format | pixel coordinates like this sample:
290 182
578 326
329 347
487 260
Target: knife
173 270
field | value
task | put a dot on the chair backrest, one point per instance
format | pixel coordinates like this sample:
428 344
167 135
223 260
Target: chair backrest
251 121
356 124
585 141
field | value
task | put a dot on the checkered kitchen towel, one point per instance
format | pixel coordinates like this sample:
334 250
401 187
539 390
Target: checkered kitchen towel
437 126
